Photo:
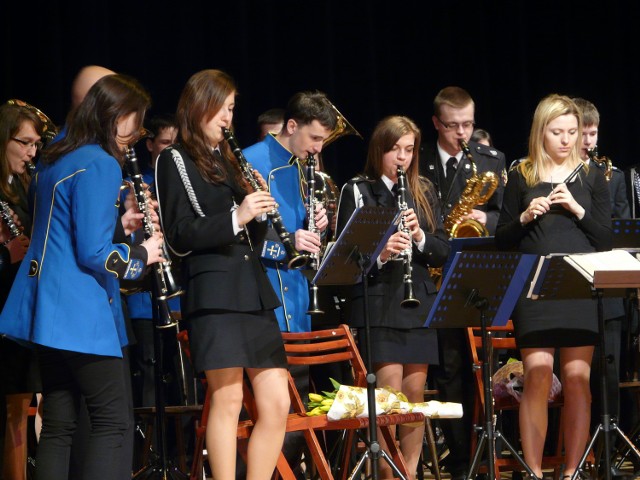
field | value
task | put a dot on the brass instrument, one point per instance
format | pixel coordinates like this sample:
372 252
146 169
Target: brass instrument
49 129
165 283
314 258
7 217
343 127
477 191
296 260
409 301
606 161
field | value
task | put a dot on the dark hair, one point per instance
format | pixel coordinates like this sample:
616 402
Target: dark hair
95 119
305 107
387 132
202 97
157 123
481 134
273 115
11 119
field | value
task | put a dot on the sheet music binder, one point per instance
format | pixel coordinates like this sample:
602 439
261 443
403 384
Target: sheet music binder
467 244
498 276
366 232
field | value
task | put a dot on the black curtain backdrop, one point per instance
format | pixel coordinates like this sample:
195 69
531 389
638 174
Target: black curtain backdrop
372 58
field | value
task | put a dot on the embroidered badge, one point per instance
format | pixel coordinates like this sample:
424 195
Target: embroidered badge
134 269
273 250
504 176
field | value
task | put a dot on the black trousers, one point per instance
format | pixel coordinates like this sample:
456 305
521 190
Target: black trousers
455 383
66 377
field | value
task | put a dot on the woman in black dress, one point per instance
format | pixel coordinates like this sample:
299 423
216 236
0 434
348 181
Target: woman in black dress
401 348
541 215
209 214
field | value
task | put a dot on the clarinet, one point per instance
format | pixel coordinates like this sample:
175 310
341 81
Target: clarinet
296 260
167 288
314 258
409 301
5 213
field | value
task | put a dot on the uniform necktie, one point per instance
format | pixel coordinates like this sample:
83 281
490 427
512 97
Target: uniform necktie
450 173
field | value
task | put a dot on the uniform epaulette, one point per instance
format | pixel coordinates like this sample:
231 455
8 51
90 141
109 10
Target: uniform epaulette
486 150
359 179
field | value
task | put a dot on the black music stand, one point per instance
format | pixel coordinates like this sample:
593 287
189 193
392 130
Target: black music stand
557 279
162 468
500 277
348 262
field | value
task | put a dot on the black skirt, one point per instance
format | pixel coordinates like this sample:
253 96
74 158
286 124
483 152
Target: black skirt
555 323
395 345
222 339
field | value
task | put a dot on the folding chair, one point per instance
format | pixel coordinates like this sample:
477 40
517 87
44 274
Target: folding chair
507 342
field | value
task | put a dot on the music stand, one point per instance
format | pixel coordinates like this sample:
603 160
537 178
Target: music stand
347 262
162 469
501 276
555 267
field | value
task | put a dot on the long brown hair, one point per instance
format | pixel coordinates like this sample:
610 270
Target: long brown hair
202 97
94 121
384 137
12 117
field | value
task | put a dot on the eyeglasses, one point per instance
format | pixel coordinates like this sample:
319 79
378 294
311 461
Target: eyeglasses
38 145
456 126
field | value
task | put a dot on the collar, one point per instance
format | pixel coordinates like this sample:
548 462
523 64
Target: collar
444 156
387 181
280 153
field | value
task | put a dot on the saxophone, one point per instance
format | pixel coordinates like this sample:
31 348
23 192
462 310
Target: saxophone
7 217
296 260
477 191
409 301
606 161
165 283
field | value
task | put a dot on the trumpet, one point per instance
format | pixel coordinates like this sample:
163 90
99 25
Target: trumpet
296 259
7 217
314 258
166 285
409 301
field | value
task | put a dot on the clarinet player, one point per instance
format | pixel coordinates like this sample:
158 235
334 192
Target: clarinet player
401 348
66 297
210 215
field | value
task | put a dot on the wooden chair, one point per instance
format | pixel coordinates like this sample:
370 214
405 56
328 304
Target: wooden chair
313 348
507 342
329 346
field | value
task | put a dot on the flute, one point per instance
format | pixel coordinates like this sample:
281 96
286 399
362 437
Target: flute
569 178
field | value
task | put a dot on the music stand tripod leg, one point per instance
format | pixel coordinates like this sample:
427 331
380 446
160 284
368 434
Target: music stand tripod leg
607 425
489 431
373 450
163 469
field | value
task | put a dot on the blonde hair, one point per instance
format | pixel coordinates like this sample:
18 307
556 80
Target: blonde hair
538 160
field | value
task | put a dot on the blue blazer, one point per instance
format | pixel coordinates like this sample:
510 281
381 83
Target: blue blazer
66 294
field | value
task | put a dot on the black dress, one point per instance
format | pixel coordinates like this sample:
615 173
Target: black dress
397 334
556 323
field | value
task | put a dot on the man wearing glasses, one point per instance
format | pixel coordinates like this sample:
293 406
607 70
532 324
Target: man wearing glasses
449 169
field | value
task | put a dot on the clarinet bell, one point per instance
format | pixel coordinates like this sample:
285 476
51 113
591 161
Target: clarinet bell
165 319
314 305
409 302
297 260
